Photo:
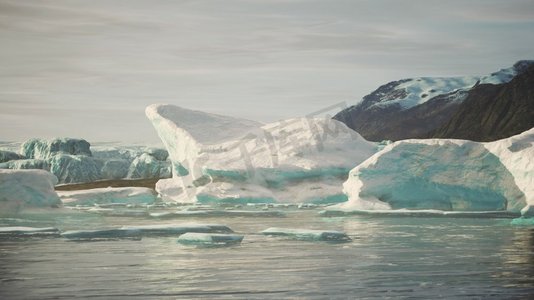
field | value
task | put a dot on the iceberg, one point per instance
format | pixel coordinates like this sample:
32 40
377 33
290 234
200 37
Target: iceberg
75 168
109 195
6 156
217 213
445 174
144 230
209 239
72 160
44 149
25 164
308 234
28 231
27 188
222 159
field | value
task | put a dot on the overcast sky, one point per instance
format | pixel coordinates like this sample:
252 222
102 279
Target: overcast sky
89 68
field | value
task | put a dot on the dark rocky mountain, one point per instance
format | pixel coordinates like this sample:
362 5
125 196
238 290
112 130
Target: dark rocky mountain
422 107
492 112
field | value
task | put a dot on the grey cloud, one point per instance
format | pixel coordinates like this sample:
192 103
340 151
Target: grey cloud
263 60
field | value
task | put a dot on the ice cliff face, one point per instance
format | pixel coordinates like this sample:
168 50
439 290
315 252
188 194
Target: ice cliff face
44 149
447 175
296 160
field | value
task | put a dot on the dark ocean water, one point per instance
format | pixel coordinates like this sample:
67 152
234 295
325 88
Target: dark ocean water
389 257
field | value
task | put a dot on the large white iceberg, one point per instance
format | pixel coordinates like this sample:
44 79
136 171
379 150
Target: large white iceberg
27 188
446 174
217 158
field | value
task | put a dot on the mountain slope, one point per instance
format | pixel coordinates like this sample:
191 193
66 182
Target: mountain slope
416 108
492 112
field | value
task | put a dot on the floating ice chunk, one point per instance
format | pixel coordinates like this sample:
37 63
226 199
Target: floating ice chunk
129 195
172 229
217 213
117 212
100 234
145 230
308 234
27 188
28 231
501 214
209 239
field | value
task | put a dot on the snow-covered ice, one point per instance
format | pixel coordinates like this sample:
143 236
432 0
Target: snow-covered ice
209 239
411 92
296 160
130 195
445 174
27 188
308 234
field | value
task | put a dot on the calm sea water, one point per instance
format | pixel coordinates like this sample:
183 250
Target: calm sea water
416 258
